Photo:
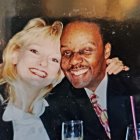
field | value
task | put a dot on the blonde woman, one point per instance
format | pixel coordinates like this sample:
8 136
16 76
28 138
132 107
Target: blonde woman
31 68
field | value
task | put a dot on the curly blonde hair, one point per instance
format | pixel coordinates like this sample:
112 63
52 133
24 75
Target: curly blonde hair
34 30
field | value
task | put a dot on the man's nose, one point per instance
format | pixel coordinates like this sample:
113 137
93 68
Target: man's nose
76 59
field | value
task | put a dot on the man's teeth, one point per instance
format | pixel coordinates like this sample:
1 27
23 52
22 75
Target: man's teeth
38 72
79 72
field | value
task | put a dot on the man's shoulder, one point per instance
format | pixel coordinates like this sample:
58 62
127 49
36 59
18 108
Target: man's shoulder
125 81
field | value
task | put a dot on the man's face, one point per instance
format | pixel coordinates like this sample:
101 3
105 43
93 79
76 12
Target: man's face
83 59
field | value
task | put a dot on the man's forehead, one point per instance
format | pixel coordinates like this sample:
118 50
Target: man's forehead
78 28
79 24
78 34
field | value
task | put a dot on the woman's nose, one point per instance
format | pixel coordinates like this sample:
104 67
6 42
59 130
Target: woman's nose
44 62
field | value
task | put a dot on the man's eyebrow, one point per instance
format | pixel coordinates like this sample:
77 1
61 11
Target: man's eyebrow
64 46
89 43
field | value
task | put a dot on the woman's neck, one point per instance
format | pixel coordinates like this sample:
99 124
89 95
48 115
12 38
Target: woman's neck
25 96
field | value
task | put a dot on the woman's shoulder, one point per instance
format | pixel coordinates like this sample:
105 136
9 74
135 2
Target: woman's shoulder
3 93
1 99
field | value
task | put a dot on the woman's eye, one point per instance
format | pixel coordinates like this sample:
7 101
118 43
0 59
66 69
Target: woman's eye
34 51
55 60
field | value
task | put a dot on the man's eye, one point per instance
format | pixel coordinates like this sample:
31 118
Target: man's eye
87 51
34 51
67 53
55 60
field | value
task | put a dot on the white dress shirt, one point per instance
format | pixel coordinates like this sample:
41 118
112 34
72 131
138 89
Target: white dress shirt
100 92
27 126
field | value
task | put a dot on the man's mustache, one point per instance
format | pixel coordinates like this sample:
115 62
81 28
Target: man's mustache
77 67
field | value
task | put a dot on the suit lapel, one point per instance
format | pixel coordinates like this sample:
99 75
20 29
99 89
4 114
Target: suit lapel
6 128
117 104
49 123
92 125
7 133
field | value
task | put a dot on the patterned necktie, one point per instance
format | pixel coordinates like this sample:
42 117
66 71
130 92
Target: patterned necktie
102 114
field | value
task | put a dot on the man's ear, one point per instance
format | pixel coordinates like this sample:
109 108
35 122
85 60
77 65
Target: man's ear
15 55
107 50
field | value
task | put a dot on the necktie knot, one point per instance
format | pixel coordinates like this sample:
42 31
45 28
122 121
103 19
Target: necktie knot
93 98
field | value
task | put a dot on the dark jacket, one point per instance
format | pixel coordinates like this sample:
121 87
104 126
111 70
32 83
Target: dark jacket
67 103
72 103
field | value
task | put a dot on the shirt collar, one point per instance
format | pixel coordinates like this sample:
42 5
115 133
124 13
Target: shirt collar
12 113
100 92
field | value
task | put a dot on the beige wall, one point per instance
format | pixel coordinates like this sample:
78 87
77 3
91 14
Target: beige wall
12 8
116 9
7 9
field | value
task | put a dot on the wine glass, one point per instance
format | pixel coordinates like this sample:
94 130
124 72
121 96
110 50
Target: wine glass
72 130
131 133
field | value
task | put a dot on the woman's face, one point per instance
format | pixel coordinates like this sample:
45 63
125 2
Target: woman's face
38 63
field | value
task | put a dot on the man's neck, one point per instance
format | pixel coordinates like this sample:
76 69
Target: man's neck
95 82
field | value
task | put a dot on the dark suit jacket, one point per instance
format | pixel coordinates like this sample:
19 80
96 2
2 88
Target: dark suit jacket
71 103
67 103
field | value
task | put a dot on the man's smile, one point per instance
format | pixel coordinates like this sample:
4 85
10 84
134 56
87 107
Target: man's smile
78 72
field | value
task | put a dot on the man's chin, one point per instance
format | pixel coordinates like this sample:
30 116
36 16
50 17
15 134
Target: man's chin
77 86
79 81
81 84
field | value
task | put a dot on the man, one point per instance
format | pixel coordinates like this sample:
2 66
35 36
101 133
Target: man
84 56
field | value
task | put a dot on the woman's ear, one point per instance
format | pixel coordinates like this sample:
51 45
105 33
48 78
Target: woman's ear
15 55
107 50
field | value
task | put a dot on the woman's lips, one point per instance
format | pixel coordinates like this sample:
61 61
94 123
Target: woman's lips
38 72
